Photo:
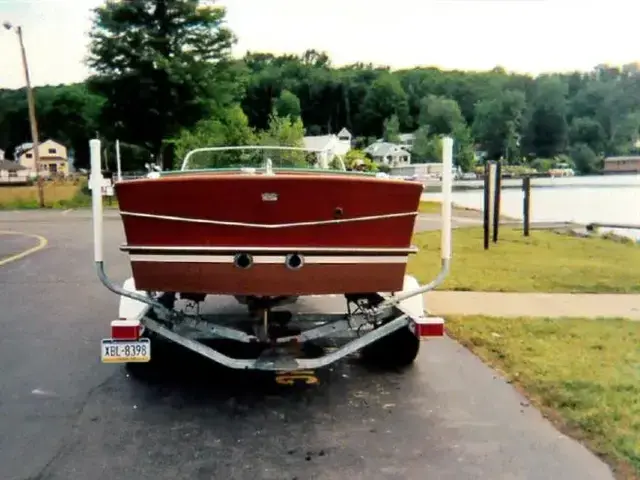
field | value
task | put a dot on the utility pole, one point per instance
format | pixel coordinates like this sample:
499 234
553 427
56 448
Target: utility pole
32 113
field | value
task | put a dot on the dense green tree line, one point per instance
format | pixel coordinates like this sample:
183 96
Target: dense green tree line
166 81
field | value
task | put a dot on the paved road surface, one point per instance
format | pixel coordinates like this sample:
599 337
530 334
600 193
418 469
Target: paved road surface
13 245
65 416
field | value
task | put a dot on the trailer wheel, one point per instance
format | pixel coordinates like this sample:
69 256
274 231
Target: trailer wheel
167 299
397 350
145 370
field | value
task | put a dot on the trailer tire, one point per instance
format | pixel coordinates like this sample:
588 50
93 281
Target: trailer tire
396 350
146 370
167 299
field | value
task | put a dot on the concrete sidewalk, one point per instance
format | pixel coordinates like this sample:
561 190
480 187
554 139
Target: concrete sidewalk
502 304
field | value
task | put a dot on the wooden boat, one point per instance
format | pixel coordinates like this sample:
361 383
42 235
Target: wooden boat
267 236
268 231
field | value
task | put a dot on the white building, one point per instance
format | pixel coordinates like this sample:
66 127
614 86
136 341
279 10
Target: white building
405 140
329 146
388 154
13 172
52 154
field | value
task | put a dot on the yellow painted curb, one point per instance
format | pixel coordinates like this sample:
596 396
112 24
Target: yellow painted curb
42 242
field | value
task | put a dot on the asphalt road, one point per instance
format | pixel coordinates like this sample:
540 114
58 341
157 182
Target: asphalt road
66 416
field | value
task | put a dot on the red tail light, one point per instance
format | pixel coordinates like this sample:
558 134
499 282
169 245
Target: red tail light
126 329
430 327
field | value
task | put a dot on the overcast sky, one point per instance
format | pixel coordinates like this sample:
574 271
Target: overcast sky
522 35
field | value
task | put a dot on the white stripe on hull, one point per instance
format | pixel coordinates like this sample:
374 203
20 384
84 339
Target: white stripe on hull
268 225
267 259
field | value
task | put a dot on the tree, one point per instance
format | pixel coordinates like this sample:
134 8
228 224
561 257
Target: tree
287 132
391 132
230 129
162 65
288 105
464 156
385 97
626 134
584 159
356 159
283 131
426 147
588 131
497 122
442 115
513 115
421 145
547 125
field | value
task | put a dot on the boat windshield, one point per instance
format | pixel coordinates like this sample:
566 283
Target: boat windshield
263 158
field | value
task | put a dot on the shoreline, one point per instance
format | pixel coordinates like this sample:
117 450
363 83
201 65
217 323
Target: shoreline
568 227
628 180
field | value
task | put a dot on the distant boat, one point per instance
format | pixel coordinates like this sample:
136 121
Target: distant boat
561 172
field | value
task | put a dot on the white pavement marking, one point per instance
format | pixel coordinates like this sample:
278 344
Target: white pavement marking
43 393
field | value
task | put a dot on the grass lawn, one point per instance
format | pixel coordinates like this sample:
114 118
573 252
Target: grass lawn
27 196
427 206
430 206
544 262
56 195
583 374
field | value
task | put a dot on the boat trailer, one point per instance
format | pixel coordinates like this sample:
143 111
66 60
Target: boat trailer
385 327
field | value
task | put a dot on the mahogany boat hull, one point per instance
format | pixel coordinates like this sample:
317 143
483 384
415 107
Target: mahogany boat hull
324 275
349 233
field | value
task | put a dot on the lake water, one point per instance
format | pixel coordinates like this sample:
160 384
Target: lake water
599 199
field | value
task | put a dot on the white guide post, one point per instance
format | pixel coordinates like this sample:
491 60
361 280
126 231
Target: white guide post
95 181
118 164
447 180
445 235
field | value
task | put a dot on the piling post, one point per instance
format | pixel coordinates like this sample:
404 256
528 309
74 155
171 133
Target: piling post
526 204
497 193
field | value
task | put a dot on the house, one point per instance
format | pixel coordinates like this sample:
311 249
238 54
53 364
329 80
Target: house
13 173
387 153
329 146
627 164
20 149
424 171
53 157
405 140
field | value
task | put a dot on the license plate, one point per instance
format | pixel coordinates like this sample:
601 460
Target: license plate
125 351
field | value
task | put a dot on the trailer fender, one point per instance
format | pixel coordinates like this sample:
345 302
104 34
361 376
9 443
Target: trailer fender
414 306
423 324
131 309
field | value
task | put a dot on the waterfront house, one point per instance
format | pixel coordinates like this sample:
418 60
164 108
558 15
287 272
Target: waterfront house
623 164
405 140
332 145
13 173
388 154
53 158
